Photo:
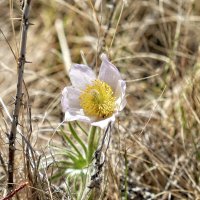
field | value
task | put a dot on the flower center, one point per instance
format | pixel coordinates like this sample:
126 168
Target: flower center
98 99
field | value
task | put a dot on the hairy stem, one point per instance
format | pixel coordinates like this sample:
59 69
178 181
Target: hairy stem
19 95
91 144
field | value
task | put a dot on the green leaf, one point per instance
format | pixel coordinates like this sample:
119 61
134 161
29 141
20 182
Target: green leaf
77 138
82 129
71 143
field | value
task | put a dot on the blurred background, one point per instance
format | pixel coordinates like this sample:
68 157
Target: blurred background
155 146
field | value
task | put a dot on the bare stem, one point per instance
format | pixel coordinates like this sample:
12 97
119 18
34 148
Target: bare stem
19 94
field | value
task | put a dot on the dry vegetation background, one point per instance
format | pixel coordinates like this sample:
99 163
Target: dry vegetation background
155 147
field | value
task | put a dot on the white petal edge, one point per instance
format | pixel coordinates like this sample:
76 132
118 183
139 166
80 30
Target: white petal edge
104 123
109 73
70 98
76 114
120 93
81 75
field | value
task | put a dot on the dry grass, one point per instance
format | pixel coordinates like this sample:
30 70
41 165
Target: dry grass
155 43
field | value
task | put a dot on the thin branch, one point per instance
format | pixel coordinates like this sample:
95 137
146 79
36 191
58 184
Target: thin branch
100 158
19 95
10 195
3 163
114 4
102 45
8 44
120 15
99 154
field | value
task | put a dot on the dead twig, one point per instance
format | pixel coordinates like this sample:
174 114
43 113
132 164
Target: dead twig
19 95
100 155
3 163
102 45
10 195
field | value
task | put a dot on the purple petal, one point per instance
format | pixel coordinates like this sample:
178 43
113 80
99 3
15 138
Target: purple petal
81 75
70 98
109 73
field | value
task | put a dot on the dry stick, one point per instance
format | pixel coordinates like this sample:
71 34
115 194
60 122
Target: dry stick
114 4
120 15
3 163
95 178
19 95
102 46
9 196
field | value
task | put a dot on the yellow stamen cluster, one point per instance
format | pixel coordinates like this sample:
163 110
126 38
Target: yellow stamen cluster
98 99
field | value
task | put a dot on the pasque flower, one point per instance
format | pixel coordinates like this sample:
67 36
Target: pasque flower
91 99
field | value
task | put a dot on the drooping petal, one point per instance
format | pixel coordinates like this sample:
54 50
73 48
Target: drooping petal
120 95
76 114
109 73
104 123
70 98
81 75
